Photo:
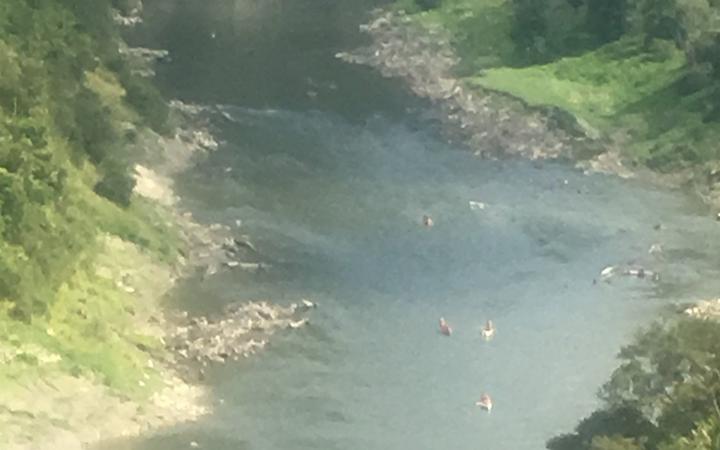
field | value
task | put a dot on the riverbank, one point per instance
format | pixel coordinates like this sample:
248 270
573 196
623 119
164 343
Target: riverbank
90 349
496 124
501 123
112 359
95 366
490 124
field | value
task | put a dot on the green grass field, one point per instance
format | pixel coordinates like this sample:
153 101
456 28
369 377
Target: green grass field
641 95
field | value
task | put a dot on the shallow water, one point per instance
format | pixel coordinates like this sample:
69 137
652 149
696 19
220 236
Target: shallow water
332 188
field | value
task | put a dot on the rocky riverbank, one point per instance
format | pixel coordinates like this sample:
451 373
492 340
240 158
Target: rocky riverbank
490 123
240 331
494 124
497 125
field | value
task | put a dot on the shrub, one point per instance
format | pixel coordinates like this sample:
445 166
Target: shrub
117 183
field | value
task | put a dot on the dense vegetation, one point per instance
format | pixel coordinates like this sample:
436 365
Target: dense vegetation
60 132
645 73
664 396
70 111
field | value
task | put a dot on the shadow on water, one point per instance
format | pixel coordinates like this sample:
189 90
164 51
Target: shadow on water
324 167
268 54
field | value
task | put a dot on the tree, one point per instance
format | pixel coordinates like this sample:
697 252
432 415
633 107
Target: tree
621 422
614 443
427 4
606 19
705 437
529 29
665 394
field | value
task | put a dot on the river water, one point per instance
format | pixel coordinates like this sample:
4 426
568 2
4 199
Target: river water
330 169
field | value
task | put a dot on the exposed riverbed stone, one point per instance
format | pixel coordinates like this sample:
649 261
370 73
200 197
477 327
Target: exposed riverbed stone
704 309
211 247
242 330
491 123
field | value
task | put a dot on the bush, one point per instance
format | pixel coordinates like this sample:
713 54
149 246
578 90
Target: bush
428 4
606 19
117 183
93 129
52 123
148 102
665 392
529 28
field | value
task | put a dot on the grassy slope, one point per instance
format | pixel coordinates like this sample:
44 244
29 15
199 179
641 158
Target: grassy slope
94 327
620 89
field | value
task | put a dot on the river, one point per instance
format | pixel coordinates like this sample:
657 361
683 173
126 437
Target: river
330 168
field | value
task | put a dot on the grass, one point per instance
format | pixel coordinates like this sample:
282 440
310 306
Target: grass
94 328
112 95
623 89
143 223
81 277
598 85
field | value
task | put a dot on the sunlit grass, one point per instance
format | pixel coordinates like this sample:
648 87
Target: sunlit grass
599 85
629 90
623 88
94 327
112 95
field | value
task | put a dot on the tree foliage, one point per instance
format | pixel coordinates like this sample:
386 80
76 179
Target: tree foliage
543 30
664 396
52 125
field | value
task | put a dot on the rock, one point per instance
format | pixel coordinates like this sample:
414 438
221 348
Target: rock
308 304
244 242
126 21
607 272
425 58
476 205
704 309
297 324
242 330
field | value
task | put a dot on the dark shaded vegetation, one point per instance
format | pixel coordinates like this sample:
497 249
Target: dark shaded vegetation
664 396
61 136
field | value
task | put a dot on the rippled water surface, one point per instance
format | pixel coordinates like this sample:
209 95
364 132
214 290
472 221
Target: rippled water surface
331 175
